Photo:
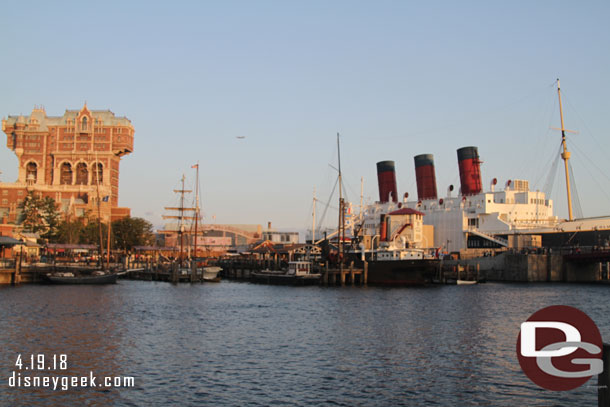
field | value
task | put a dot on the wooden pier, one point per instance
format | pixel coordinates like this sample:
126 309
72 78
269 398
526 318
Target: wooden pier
242 269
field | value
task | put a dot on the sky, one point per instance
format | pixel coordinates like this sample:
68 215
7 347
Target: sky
394 78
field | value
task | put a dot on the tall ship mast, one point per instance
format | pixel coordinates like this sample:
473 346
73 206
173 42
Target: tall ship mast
565 155
182 214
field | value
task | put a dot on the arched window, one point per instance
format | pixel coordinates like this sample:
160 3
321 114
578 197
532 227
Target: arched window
31 172
84 124
82 175
99 173
66 174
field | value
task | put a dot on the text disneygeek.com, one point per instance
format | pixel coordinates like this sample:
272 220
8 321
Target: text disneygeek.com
17 380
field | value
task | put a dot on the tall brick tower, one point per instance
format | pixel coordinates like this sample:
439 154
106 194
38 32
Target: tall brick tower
73 159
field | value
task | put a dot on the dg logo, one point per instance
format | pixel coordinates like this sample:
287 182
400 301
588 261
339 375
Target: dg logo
560 348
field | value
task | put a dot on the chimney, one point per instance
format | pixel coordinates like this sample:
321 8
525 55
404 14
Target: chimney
386 179
425 176
470 170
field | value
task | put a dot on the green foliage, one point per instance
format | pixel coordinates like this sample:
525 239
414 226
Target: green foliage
39 215
129 232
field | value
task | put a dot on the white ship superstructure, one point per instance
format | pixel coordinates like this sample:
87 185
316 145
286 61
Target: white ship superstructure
477 220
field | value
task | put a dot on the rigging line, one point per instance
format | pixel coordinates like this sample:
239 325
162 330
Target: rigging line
584 123
544 112
576 202
550 114
593 177
472 118
552 174
549 162
326 208
590 161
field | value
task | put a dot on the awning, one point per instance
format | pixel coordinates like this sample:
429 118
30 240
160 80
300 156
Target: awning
6 241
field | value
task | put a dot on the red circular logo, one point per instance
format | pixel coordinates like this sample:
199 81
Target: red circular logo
560 348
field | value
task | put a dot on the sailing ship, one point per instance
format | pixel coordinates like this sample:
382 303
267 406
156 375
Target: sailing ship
188 229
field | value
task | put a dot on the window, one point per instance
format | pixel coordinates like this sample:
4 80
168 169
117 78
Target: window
99 173
84 124
66 174
31 172
82 175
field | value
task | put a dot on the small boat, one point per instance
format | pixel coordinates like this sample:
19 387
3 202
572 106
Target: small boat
210 274
97 277
466 282
298 273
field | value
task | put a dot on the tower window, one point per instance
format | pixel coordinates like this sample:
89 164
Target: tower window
66 174
31 171
82 175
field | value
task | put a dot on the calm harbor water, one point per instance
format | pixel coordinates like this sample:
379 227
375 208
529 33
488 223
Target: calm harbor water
233 344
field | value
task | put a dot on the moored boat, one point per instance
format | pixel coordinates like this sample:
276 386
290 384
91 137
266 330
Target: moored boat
298 273
97 277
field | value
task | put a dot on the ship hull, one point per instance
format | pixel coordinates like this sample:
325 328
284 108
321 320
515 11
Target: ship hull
402 272
105 279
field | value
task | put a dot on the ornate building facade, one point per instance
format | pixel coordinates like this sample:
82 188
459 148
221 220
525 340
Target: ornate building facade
73 159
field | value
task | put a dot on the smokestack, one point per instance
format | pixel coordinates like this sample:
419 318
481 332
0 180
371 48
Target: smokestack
470 170
386 179
426 178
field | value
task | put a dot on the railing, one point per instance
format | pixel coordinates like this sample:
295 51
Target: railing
496 239
7 263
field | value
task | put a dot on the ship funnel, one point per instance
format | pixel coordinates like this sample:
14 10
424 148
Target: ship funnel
386 179
426 178
470 170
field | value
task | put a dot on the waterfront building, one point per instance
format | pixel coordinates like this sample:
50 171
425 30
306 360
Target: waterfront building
213 238
73 159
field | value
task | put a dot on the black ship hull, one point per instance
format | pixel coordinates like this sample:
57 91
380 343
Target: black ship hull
402 272
104 279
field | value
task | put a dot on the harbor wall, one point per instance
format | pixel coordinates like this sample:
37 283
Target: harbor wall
517 267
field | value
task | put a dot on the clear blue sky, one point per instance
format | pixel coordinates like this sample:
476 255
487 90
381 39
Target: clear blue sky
395 78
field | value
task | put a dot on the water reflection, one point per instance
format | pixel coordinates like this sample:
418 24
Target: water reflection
235 343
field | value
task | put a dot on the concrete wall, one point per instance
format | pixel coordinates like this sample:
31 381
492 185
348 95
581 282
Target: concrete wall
515 267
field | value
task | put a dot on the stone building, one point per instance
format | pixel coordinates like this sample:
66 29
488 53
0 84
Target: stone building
73 159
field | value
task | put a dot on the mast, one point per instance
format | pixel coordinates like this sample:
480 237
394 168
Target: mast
565 154
361 196
313 223
196 206
108 243
181 217
99 211
341 231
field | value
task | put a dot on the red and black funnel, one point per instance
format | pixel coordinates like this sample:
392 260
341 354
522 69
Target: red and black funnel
470 170
386 178
425 176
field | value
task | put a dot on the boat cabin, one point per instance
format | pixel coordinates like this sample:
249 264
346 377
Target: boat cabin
299 268
400 255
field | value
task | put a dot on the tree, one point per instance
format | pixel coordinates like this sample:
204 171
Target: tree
39 215
129 232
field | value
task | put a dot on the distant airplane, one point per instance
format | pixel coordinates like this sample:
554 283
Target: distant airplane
241 137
